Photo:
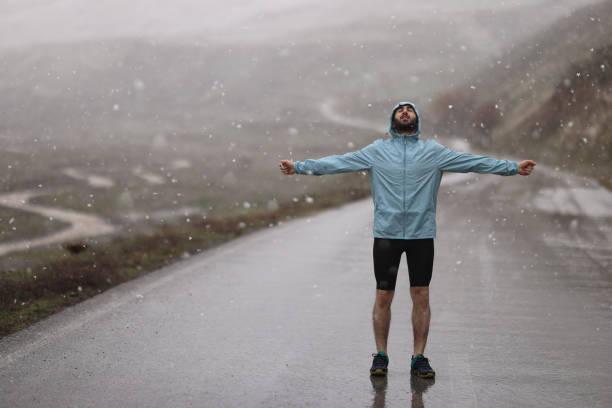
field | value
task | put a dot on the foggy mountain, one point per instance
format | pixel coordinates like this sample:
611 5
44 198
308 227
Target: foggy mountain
549 95
131 88
230 81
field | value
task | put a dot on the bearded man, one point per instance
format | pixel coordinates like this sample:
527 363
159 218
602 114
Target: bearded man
405 174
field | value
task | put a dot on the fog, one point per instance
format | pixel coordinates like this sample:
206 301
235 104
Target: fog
125 111
101 100
24 23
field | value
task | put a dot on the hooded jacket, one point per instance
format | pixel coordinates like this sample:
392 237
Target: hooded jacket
405 174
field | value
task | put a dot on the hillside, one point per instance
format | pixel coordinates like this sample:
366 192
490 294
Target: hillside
549 97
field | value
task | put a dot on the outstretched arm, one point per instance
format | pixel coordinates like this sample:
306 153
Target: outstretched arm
452 161
353 161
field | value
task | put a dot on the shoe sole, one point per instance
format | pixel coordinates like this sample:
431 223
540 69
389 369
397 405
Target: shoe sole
428 375
378 372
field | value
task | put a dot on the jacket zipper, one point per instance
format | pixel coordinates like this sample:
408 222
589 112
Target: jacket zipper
404 191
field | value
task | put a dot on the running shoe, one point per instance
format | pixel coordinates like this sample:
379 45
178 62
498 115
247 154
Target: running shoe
379 364
420 366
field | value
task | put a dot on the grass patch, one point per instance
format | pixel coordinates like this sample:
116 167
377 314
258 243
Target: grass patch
17 224
30 294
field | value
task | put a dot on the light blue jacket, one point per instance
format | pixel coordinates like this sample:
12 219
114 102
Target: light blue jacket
405 174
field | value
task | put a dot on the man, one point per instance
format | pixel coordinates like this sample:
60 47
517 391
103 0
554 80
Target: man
405 174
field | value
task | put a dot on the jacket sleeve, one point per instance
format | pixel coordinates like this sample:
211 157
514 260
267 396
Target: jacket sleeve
353 161
452 161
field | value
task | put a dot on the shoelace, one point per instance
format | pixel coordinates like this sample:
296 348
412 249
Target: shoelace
379 359
423 361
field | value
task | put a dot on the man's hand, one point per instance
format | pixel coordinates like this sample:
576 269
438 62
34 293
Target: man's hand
525 167
286 166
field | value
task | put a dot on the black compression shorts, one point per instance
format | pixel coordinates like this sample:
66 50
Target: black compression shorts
387 254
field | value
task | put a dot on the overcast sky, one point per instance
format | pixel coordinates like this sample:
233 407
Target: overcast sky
24 22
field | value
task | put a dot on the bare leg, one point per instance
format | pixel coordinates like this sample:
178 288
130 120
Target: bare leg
381 318
421 315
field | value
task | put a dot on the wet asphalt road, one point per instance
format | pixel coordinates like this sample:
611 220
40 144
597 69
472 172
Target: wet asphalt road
521 316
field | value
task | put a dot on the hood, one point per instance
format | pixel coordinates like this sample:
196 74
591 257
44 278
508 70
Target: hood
392 132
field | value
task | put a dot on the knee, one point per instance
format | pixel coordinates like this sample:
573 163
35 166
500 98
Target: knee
383 299
420 297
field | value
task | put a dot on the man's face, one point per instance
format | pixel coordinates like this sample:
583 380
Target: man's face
405 119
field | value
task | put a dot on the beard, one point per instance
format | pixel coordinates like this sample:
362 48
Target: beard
407 128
